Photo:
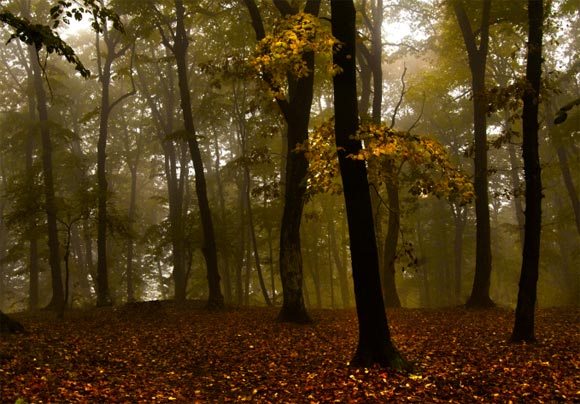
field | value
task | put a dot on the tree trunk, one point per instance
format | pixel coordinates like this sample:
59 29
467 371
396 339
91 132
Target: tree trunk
391 241
50 204
374 345
209 249
32 230
338 262
459 219
175 182
296 111
477 63
225 262
297 116
3 234
130 241
524 321
291 266
103 295
254 240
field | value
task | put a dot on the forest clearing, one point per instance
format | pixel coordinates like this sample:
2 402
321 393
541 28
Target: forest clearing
160 352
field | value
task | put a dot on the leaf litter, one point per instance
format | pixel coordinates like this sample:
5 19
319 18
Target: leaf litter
163 353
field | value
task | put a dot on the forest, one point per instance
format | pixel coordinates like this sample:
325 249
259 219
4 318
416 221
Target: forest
339 172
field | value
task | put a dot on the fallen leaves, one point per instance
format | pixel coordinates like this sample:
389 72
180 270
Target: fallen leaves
187 355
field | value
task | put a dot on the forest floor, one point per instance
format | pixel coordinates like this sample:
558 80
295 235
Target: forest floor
160 353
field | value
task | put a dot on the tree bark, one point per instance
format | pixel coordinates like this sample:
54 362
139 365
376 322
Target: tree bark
459 220
296 111
174 155
374 345
391 240
32 230
525 309
338 262
103 295
57 299
209 249
477 63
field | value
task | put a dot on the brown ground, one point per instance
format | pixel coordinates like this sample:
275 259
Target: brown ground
159 353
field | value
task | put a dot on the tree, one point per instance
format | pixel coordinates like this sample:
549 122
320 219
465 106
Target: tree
477 56
111 39
295 108
179 49
374 344
524 321
57 300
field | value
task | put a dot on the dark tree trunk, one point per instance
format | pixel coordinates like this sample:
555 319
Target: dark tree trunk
225 266
517 198
103 295
338 262
254 240
297 116
459 219
291 265
374 345
391 241
130 241
296 111
3 234
32 230
33 258
209 249
524 321
477 63
57 300
175 182
569 183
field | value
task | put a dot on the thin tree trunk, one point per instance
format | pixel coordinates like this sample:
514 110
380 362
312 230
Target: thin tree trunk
209 249
175 181
391 241
254 242
50 204
525 309
225 267
517 198
130 241
459 219
477 63
103 295
34 272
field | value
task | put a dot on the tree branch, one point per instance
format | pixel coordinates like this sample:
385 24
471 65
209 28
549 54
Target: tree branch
402 96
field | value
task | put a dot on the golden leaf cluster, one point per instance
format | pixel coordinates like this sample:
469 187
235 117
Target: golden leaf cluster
430 172
429 167
283 52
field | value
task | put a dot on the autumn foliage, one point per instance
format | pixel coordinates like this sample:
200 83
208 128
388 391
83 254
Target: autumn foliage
161 353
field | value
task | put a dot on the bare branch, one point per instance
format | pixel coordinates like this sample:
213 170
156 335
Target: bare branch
420 115
402 96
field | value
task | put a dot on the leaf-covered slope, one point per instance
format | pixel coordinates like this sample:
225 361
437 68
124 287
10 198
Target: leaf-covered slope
160 353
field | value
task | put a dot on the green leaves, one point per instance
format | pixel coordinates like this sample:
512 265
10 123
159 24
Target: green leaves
39 36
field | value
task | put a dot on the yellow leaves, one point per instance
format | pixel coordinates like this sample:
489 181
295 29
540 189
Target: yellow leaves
430 170
320 150
283 52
